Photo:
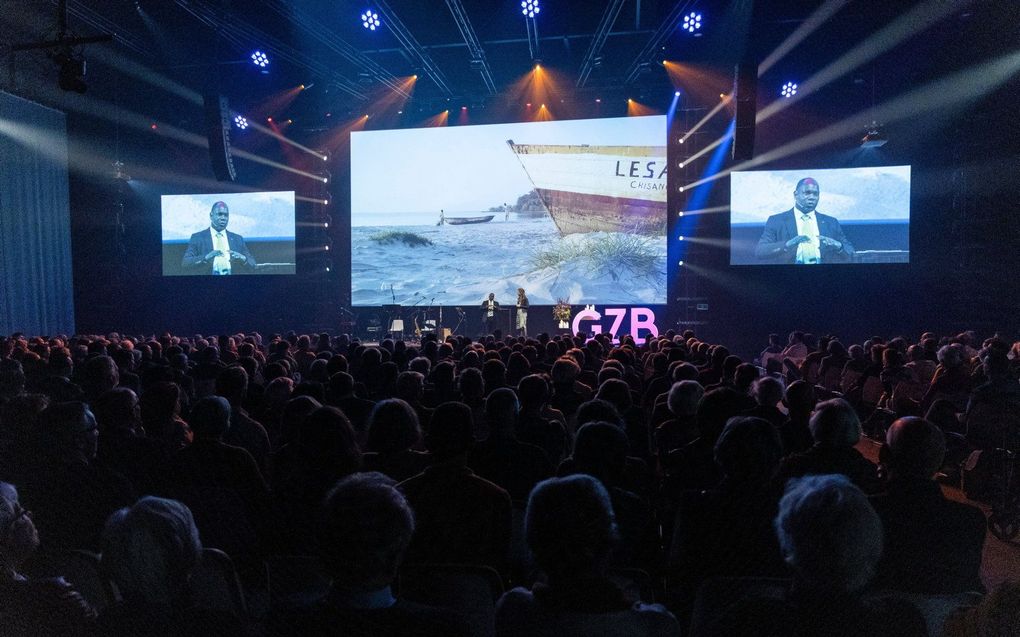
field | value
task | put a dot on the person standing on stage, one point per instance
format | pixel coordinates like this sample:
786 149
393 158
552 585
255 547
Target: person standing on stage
489 308
522 312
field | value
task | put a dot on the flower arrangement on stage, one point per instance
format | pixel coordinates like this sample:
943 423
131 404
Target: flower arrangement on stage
561 312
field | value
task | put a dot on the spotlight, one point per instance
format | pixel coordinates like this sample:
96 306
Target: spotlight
241 121
789 89
529 8
370 20
676 93
681 237
260 59
680 213
692 22
680 263
874 137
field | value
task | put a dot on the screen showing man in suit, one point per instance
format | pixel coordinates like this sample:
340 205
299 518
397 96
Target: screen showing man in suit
847 215
260 238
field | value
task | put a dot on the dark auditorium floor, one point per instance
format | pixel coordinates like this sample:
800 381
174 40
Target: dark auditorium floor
1000 561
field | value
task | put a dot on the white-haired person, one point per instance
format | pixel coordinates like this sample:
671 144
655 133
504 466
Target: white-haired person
43 606
149 552
831 540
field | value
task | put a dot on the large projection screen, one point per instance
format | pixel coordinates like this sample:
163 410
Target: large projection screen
568 210
854 215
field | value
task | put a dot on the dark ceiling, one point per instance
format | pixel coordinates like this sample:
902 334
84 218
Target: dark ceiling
204 46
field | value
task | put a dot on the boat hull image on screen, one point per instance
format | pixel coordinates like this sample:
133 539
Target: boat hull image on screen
566 210
228 234
820 217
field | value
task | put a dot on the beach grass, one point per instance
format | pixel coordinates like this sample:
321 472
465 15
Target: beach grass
409 239
610 254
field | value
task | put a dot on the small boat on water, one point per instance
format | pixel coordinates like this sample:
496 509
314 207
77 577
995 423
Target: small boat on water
599 188
463 221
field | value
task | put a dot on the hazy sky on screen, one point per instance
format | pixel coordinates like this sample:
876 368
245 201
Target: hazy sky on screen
253 215
466 169
876 193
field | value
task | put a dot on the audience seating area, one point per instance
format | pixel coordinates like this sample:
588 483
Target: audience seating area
557 485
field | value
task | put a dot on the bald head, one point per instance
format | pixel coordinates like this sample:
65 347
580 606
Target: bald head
806 194
219 216
916 448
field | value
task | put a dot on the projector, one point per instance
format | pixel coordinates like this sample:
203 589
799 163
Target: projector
874 138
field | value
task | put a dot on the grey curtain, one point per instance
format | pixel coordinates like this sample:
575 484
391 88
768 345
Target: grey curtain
36 288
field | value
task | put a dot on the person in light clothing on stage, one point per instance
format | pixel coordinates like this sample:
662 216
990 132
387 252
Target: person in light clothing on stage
522 312
802 235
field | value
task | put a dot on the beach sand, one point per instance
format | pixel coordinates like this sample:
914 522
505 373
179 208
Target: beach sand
465 263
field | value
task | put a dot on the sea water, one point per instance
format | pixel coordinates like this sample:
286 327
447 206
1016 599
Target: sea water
467 262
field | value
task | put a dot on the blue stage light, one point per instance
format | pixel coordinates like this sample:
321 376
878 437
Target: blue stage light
692 21
676 94
529 8
241 121
789 89
260 59
370 20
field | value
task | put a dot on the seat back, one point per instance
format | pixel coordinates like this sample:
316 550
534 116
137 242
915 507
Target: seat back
292 579
80 569
811 372
871 392
637 585
848 380
471 590
992 426
831 379
936 609
215 586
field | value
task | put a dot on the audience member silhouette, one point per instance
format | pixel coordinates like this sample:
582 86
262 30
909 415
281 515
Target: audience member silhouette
835 429
932 545
393 434
831 539
364 528
460 517
727 531
149 552
503 459
571 530
33 606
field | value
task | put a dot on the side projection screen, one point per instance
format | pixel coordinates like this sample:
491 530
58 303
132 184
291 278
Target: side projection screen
820 217
566 210
228 234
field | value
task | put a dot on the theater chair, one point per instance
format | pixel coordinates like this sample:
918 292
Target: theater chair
471 590
81 569
215 585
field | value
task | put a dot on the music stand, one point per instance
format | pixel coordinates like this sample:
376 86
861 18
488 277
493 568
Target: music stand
394 322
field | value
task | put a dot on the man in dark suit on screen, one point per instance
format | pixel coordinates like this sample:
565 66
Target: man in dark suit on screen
215 250
801 235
